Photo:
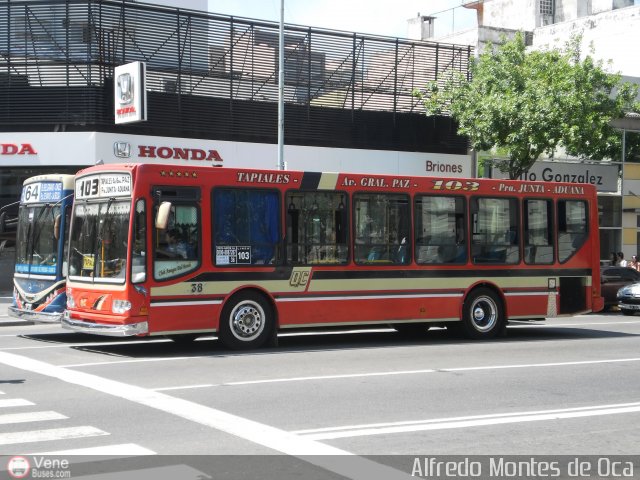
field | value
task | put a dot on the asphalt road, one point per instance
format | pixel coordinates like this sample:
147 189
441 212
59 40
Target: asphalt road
569 386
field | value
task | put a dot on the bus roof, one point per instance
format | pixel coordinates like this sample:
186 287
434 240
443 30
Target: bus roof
65 179
308 180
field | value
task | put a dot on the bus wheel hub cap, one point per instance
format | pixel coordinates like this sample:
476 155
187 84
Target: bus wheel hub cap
247 321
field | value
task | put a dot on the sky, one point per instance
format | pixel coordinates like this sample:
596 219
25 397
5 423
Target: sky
379 17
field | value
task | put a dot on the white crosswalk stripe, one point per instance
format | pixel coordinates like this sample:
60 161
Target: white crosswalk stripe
58 434
30 417
49 435
121 450
15 402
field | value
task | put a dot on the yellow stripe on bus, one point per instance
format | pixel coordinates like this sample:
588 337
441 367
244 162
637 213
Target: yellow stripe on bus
350 285
328 181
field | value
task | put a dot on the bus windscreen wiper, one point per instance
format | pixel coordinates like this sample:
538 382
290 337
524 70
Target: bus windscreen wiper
36 236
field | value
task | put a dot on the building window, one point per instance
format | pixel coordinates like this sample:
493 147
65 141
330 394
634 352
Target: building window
610 221
610 211
632 147
546 7
547 12
610 241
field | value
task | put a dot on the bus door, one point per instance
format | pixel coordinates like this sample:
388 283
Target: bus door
176 251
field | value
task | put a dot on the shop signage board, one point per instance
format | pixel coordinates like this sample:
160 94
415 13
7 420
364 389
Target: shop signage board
130 94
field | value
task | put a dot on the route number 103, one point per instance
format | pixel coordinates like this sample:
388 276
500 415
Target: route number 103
468 186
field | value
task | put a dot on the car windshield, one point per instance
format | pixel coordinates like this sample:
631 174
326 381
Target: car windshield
37 239
98 246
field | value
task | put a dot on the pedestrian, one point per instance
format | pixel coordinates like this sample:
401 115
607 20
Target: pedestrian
621 261
634 263
614 259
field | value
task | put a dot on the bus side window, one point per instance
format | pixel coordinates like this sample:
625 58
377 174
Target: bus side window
246 226
67 226
495 230
538 231
440 229
180 238
317 228
382 224
572 227
176 248
139 247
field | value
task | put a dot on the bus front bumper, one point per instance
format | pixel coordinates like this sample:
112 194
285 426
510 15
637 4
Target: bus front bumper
37 317
109 330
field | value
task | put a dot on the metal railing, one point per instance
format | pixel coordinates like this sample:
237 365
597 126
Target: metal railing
204 71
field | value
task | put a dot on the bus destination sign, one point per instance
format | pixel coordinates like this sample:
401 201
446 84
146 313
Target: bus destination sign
42 192
104 185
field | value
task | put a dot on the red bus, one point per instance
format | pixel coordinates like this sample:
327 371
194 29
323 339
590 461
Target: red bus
180 252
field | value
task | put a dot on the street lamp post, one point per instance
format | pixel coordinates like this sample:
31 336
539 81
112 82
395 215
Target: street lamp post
281 163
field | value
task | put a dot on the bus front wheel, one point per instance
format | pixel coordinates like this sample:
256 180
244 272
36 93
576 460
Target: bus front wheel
246 321
482 314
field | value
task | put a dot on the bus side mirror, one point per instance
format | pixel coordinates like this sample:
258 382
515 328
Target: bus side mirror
138 277
162 217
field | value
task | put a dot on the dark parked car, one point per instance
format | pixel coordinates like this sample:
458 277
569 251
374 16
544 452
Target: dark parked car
613 279
629 298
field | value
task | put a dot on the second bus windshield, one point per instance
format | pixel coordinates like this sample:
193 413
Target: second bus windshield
37 239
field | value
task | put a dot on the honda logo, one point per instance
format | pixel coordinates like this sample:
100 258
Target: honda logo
129 93
125 88
122 149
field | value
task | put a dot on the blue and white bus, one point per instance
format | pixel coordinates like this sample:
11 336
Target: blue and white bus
39 280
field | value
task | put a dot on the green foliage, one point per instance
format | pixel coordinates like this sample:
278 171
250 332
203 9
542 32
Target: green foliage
527 103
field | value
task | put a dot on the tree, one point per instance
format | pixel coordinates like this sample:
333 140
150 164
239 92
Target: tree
527 103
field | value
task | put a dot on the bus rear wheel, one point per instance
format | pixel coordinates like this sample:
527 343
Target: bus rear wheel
482 315
246 321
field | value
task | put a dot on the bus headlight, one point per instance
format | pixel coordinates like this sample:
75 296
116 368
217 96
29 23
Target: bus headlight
121 306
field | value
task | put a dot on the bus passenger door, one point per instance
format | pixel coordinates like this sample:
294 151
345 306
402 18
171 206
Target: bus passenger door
176 255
